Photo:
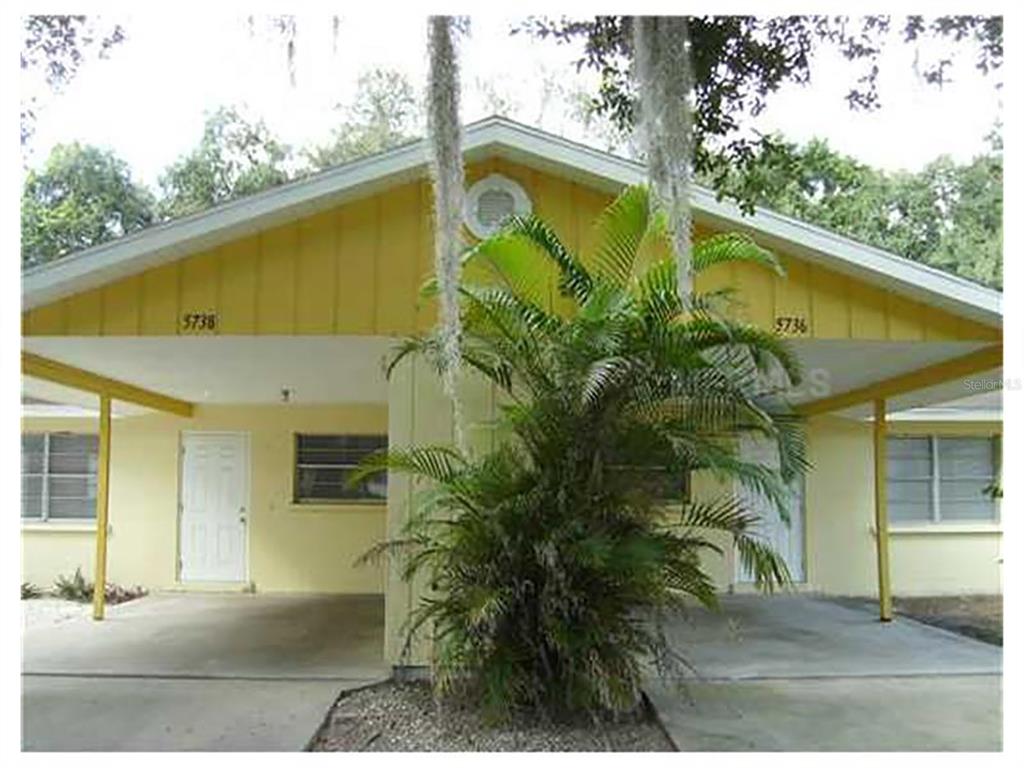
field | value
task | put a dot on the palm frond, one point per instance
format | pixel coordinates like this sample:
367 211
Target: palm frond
620 230
725 513
516 263
439 463
766 565
732 247
603 375
575 280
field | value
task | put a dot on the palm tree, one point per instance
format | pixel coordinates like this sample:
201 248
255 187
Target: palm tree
554 560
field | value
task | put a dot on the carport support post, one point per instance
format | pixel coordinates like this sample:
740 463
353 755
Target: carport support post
102 494
882 513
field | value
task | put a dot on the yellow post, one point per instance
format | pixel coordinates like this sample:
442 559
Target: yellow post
102 494
882 514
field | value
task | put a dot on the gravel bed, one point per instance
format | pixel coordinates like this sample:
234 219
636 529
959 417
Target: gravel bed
48 611
977 616
403 717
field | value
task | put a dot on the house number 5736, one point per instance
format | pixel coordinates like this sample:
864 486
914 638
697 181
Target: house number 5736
791 325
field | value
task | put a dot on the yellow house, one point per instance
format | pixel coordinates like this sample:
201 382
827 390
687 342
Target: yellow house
215 377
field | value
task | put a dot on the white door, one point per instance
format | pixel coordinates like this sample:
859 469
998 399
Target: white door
214 501
786 538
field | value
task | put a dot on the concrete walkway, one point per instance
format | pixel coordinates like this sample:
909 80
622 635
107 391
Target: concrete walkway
802 674
197 672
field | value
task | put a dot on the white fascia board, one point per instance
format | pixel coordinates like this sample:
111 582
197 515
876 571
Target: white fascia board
501 137
56 411
873 265
947 414
166 242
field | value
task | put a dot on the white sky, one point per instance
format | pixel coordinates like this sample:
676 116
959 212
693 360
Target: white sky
147 101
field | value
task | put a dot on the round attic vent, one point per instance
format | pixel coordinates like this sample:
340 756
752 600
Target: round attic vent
491 201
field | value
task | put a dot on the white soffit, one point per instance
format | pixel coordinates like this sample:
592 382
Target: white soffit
48 400
984 406
208 370
491 137
930 404
350 369
832 367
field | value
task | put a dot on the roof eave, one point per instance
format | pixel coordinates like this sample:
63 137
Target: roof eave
502 137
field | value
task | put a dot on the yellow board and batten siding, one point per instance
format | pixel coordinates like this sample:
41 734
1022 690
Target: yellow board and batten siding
357 270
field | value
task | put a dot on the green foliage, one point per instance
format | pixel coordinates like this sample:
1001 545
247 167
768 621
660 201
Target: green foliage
75 588
80 590
947 215
383 114
30 591
739 61
993 490
553 560
82 197
55 47
85 196
56 44
235 157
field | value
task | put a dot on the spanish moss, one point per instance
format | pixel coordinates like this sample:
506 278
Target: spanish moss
445 132
665 80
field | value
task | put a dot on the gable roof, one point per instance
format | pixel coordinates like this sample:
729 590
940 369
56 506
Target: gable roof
492 137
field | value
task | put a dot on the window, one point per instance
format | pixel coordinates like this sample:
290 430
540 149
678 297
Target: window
323 464
58 476
942 479
670 487
660 483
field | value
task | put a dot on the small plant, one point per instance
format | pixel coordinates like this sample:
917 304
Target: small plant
30 591
118 594
74 588
80 590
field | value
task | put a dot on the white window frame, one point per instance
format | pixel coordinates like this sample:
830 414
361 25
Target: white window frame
935 479
301 501
45 475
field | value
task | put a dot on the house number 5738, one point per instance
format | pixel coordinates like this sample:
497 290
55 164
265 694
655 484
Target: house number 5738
199 322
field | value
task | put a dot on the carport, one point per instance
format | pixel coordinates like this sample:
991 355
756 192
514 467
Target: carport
195 671
796 673
945 379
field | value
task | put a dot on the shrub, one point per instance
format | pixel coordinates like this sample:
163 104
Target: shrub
117 594
74 588
552 562
30 591
78 589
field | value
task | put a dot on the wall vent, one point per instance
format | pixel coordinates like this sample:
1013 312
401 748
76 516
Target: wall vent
491 201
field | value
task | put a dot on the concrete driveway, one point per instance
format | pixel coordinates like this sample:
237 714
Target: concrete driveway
194 671
801 674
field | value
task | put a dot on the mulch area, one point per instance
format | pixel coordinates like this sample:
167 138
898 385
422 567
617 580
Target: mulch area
404 717
977 616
